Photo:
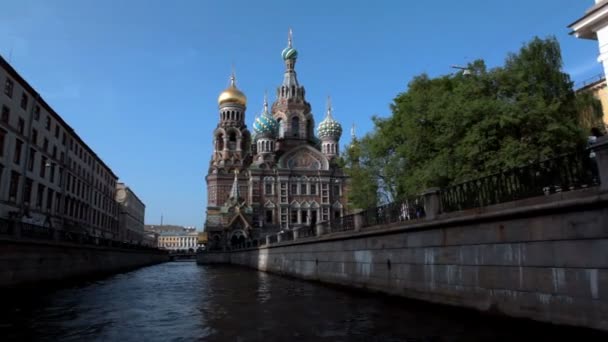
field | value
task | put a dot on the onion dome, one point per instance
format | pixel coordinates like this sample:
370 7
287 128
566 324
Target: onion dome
329 128
289 52
232 94
265 124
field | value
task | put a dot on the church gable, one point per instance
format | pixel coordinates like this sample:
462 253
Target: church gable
304 158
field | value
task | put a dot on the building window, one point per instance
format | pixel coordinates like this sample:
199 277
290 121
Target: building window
20 126
294 189
27 194
14 186
45 145
313 189
8 87
63 139
54 154
6 113
294 216
52 174
47 125
37 113
268 216
304 216
49 199
24 100
302 189
40 195
34 136
57 131
17 156
30 161
43 162
336 190
2 137
268 189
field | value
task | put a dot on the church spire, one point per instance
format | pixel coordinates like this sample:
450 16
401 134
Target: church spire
329 109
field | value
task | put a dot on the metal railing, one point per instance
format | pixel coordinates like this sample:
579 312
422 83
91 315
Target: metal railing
564 173
306 231
22 230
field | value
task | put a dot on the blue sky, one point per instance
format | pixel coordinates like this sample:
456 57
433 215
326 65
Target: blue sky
139 79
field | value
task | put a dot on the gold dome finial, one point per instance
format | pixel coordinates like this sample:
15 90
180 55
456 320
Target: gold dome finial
232 94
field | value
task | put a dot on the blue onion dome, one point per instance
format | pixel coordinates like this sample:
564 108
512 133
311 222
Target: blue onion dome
265 124
289 52
329 128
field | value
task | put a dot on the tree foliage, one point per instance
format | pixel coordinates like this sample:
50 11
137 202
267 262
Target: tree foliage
453 128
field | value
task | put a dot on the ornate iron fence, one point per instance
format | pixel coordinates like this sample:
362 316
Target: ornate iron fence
563 173
16 229
305 232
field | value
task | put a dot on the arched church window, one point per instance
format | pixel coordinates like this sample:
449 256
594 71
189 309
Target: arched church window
232 137
309 128
295 126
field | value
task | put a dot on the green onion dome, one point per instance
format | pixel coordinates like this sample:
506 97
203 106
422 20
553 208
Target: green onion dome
265 124
329 128
289 53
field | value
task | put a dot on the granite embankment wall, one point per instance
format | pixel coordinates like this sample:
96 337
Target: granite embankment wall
29 263
544 258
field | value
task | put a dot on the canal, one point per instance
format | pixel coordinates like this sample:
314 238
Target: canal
181 301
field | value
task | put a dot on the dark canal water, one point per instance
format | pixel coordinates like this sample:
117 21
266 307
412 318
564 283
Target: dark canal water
184 302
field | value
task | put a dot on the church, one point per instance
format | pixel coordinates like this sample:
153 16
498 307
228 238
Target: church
279 177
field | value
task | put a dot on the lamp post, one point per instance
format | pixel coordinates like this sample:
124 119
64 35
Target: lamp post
465 71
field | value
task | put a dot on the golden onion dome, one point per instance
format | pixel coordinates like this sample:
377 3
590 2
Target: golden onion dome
232 94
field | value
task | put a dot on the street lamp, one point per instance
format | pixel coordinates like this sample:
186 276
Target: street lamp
465 71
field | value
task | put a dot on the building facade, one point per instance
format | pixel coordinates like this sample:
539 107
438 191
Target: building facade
48 175
182 239
131 215
594 25
588 119
280 177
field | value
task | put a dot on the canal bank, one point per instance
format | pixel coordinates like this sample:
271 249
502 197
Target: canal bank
28 263
541 258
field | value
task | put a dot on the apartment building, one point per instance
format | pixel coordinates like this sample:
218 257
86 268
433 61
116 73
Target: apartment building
48 175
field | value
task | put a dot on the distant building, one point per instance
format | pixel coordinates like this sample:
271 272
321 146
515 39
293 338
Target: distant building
150 239
598 88
174 238
48 175
131 217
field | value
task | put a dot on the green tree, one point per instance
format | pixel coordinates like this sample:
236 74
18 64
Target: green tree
356 162
452 128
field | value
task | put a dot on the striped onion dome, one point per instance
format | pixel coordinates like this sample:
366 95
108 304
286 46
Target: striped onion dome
289 53
265 124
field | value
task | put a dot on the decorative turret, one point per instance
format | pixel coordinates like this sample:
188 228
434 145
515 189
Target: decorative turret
290 87
265 128
232 140
329 131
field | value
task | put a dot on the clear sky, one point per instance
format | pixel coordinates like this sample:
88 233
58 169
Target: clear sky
138 79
